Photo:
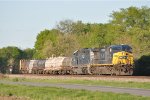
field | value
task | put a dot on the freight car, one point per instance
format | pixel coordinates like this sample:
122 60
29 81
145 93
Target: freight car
114 59
53 65
58 65
32 66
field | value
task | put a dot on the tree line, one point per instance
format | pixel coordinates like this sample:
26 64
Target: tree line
127 26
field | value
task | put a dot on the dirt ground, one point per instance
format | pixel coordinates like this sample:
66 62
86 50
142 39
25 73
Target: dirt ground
2 76
12 98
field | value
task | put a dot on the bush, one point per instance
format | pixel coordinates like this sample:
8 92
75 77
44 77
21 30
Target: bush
142 66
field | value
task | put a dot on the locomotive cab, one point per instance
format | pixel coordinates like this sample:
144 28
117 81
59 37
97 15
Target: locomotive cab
121 54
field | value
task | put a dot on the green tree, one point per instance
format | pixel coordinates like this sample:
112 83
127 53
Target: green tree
42 41
28 53
65 26
10 56
132 24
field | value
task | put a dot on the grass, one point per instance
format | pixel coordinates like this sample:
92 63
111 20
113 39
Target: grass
144 85
49 93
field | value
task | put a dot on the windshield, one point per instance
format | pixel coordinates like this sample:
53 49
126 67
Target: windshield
126 48
118 48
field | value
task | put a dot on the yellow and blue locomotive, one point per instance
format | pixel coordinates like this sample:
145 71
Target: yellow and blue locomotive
114 59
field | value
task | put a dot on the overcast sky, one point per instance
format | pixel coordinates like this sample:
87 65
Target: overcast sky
22 20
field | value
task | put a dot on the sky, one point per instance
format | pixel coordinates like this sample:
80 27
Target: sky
22 20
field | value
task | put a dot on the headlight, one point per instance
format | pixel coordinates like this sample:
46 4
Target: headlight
123 57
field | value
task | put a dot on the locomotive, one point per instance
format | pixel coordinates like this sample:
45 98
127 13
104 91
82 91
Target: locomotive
112 60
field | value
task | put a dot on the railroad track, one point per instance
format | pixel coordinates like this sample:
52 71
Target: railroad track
84 77
148 77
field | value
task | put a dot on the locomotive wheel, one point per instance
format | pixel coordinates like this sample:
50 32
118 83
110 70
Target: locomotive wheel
39 72
44 72
84 70
63 72
71 72
113 71
27 72
50 72
92 70
22 72
116 70
32 72
36 72
131 71
53 72
59 72
75 73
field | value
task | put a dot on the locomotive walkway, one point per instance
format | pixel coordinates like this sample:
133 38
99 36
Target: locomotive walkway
133 91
